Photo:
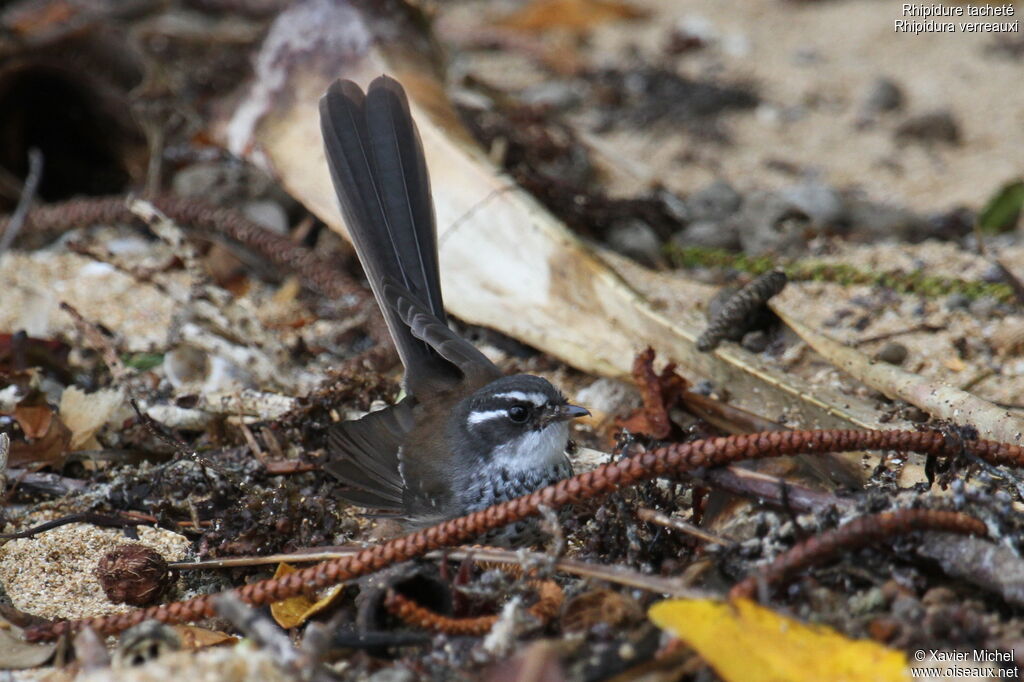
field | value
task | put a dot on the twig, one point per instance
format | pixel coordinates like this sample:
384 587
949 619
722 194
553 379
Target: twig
508 559
204 463
41 482
28 195
858 533
607 478
767 489
99 341
724 416
899 332
1012 280
94 518
656 517
5 449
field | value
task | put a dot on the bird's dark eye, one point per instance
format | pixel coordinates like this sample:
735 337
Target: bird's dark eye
519 413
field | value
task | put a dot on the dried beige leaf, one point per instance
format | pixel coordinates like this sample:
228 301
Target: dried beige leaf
86 413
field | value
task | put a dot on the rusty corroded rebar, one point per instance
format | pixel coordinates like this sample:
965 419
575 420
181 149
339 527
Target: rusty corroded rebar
550 597
604 479
858 533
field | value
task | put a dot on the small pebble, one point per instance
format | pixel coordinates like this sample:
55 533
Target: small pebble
957 302
938 595
770 222
267 213
907 609
819 201
716 201
553 94
935 126
982 308
706 233
893 353
883 95
636 239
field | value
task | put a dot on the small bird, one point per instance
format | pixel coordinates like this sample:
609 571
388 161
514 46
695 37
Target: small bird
465 436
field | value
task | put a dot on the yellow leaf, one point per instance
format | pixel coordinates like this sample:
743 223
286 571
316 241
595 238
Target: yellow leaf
744 642
290 613
193 637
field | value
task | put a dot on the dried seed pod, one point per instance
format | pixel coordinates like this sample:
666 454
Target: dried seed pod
586 610
733 319
133 574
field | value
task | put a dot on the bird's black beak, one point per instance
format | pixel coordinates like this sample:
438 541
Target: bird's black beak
567 412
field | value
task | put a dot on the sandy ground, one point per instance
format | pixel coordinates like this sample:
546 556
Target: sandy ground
813 64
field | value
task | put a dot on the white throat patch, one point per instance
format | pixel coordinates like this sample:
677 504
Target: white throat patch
533 448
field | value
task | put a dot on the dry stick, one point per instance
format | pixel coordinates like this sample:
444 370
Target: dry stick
492 556
853 535
671 459
772 490
28 194
550 598
98 340
656 517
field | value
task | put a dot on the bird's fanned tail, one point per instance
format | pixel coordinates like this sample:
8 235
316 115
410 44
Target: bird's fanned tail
380 175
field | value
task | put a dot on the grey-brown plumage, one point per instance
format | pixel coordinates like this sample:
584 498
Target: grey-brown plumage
733 319
465 436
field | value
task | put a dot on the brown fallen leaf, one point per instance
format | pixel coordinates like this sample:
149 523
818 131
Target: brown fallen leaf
578 16
34 420
291 613
660 392
49 449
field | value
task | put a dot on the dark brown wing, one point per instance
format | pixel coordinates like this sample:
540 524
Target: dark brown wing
363 454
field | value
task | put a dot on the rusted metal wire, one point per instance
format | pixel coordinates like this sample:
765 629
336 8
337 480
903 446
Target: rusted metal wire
734 316
671 459
549 600
858 533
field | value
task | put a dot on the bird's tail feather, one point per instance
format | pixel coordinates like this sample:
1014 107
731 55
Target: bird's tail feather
380 175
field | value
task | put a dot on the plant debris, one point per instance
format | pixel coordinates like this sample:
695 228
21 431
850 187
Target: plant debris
183 323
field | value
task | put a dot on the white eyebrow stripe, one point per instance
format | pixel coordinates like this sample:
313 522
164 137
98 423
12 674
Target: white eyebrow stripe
485 415
538 399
